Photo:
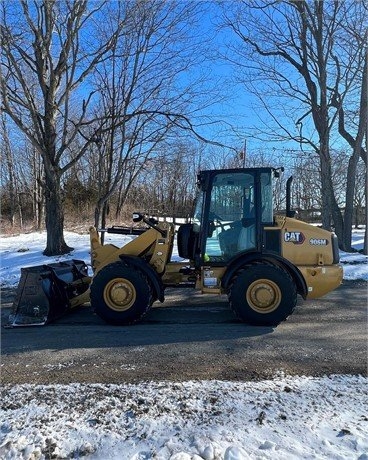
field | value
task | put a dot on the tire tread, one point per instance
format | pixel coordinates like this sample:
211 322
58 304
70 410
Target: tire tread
250 267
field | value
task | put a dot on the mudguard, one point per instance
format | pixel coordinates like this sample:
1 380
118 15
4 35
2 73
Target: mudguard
151 274
243 259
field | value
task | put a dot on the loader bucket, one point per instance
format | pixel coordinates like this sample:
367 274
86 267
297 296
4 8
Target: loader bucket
47 292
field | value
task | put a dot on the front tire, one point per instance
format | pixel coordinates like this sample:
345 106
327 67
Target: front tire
262 294
121 293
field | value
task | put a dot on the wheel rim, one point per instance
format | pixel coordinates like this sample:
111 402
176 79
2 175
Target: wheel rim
263 296
119 294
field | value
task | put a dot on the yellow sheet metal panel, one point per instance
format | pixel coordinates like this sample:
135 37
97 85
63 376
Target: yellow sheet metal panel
151 244
305 244
162 250
321 280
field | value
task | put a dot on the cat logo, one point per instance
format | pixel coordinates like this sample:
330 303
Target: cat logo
294 237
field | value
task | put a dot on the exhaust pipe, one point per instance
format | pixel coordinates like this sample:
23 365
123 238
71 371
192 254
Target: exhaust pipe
289 212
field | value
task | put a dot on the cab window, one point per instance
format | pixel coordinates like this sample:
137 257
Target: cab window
231 216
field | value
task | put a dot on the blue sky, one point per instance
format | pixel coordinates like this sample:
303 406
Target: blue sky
233 112
240 108
237 112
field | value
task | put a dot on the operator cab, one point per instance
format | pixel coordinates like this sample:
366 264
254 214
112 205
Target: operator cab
232 208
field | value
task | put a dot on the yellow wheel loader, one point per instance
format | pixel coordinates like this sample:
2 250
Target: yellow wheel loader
234 245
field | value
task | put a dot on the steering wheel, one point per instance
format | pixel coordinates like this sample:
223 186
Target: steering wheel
212 217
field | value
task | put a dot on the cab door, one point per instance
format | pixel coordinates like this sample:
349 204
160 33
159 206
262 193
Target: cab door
231 223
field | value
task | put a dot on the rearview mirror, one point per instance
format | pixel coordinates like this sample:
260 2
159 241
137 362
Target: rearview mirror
137 217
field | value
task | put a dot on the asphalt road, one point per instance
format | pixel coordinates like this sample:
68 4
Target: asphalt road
192 336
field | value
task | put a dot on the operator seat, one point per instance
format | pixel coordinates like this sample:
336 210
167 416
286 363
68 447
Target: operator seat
240 237
247 238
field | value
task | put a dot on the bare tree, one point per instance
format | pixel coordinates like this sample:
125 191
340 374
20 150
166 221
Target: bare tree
147 93
288 56
9 178
354 132
36 184
46 55
360 198
22 178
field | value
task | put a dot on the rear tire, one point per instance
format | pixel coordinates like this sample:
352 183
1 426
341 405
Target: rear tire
121 294
262 294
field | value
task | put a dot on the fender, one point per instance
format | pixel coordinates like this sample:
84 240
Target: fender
243 259
156 281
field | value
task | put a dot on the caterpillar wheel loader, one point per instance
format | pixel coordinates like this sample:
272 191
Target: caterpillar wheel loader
234 245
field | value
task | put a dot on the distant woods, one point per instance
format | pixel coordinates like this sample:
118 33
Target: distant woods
166 185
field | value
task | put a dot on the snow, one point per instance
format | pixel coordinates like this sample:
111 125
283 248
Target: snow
283 418
355 265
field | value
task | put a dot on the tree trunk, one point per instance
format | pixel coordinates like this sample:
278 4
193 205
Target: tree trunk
365 248
325 185
55 244
11 185
39 207
98 212
337 217
38 187
349 201
11 188
330 208
20 212
105 213
101 213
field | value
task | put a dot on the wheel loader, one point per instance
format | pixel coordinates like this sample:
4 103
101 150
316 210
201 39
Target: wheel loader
234 245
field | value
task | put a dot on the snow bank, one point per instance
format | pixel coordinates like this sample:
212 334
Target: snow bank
285 418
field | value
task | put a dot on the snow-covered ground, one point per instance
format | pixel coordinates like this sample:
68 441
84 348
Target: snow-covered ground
282 418
287 418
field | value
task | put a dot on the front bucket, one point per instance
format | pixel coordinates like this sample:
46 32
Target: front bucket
45 292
